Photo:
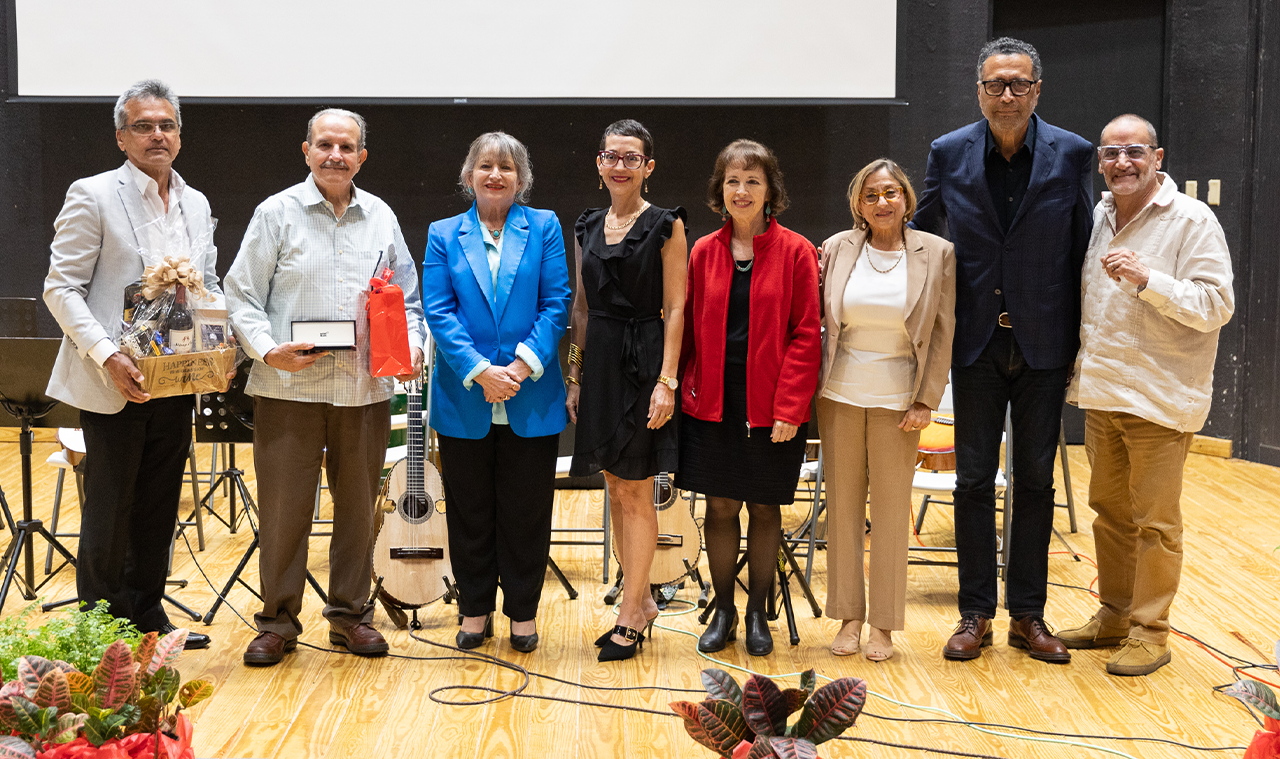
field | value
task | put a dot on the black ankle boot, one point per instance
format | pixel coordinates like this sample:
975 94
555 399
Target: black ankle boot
722 629
759 639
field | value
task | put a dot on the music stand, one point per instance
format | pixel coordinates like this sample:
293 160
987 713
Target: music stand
25 366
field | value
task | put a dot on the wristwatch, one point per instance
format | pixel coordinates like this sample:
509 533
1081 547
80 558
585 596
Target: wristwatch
670 382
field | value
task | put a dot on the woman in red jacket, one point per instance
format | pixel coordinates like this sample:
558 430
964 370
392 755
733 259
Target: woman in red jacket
748 370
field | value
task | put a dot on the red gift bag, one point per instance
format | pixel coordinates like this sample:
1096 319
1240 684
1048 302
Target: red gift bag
388 330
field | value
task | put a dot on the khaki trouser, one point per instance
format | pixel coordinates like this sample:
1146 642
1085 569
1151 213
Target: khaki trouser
1136 489
862 448
290 441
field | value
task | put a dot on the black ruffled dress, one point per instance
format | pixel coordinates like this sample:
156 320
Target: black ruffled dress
622 357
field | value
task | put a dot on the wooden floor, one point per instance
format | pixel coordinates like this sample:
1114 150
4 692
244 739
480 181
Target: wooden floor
320 704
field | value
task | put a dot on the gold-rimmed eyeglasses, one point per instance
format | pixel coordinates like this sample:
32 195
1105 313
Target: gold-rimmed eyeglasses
1136 152
871 197
144 128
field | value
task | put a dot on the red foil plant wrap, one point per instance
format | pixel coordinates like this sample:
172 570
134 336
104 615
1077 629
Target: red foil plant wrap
389 353
133 699
1259 697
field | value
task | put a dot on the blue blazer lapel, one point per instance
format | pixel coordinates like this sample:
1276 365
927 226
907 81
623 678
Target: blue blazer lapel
1043 165
472 241
976 168
513 245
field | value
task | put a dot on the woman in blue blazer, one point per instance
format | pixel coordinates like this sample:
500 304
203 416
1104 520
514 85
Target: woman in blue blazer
496 295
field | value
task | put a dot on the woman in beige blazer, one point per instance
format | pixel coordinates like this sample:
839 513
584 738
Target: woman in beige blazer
888 300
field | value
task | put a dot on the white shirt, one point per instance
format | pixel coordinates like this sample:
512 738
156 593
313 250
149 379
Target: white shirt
875 364
1151 353
164 235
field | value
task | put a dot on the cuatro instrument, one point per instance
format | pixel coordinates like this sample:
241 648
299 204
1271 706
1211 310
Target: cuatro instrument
679 539
411 555
937 448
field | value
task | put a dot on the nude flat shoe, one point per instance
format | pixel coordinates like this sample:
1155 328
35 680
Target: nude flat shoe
879 645
848 639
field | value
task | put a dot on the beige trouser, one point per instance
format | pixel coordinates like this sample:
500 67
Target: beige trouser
1136 488
290 441
862 448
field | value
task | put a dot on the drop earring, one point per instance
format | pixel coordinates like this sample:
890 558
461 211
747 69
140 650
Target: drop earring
767 211
724 213
646 185
601 187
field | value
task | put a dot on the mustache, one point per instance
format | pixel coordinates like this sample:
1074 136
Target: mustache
333 165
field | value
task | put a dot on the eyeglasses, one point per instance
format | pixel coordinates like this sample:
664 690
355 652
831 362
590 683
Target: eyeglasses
871 197
144 128
996 87
1111 153
630 160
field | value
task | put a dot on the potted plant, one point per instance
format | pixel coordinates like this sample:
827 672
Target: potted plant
750 722
1256 695
130 706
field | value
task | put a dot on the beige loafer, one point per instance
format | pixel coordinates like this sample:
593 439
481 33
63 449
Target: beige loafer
1092 635
1138 657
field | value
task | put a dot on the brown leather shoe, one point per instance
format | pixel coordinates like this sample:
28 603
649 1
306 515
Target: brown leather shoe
268 648
361 639
1033 634
971 636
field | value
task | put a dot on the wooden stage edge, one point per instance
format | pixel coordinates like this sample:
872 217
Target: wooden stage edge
320 703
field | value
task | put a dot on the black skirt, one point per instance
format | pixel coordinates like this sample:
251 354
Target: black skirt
725 459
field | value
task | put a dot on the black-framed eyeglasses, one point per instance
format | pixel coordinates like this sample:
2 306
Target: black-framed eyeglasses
996 87
630 160
871 197
144 128
1136 152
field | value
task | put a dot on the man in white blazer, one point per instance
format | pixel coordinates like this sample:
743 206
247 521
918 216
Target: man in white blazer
136 446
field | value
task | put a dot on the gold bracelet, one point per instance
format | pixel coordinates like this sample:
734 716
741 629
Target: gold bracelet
575 355
568 378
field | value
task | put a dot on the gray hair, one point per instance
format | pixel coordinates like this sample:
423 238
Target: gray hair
360 122
1151 128
1009 46
501 145
147 89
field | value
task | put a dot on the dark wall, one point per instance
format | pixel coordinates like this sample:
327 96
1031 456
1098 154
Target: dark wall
1191 66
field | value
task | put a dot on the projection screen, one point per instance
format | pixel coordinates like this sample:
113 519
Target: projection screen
490 50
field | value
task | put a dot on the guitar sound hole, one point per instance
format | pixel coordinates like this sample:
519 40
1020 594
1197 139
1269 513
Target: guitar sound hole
415 509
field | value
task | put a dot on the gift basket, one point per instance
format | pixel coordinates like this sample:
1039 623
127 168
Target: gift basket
172 327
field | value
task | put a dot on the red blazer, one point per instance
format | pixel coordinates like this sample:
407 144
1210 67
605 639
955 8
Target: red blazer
784 339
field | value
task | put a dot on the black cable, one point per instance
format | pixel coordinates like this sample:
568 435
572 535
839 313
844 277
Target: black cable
501 694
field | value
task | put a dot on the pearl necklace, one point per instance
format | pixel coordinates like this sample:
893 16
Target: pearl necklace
866 247
630 219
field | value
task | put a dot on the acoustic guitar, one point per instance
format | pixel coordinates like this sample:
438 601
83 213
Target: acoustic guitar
679 539
411 554
937 448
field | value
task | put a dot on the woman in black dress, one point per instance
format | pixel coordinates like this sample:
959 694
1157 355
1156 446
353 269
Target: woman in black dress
629 306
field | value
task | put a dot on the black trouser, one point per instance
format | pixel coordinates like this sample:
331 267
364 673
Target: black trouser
133 466
1001 378
498 493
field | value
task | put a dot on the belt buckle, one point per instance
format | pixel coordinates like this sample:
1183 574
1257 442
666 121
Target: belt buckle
1003 320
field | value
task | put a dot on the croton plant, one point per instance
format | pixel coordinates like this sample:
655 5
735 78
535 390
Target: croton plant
751 721
131 693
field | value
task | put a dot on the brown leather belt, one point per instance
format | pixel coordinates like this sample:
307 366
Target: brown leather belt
1003 320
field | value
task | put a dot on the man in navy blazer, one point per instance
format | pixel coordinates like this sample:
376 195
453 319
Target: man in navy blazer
1014 194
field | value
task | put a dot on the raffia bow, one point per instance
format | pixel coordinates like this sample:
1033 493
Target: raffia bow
172 271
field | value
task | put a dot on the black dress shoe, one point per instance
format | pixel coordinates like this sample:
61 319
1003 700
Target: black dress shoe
475 640
759 639
195 640
611 651
524 643
722 629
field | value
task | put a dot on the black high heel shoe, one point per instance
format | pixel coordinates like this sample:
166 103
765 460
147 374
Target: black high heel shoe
758 639
722 629
603 639
610 651
475 640
524 643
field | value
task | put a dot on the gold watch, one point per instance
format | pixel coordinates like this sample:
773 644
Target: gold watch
670 382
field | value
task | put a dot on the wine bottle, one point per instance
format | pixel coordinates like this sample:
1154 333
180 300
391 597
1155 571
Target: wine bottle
181 325
132 297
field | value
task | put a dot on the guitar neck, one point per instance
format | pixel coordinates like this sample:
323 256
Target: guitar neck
414 434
